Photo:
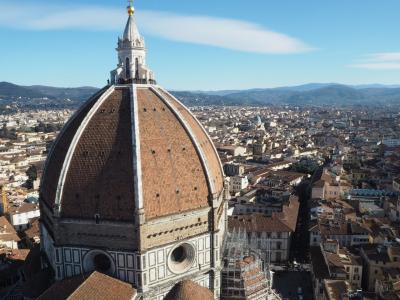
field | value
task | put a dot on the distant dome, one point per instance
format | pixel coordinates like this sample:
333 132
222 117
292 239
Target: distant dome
130 146
188 290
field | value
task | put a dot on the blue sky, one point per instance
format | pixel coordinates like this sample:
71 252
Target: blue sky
204 45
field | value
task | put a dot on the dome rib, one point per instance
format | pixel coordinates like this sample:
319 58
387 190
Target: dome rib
208 149
100 181
173 177
75 140
184 123
134 150
59 149
137 172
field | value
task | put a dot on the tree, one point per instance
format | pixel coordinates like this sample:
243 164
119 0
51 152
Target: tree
4 131
7 133
32 173
32 176
40 127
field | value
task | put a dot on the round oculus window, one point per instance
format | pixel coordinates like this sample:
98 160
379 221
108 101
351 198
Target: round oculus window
100 261
181 258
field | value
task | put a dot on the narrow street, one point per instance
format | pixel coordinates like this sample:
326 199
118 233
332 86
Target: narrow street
291 284
300 243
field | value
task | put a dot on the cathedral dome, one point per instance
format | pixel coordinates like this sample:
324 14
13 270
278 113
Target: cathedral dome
133 186
131 147
188 290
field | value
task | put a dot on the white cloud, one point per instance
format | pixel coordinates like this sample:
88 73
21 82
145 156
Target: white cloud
224 33
379 61
378 66
385 56
219 32
52 17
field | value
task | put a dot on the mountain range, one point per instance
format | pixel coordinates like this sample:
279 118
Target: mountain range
318 94
308 94
10 90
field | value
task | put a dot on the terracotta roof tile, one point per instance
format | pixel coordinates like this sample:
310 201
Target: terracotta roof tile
257 223
93 287
7 231
101 178
34 230
173 178
188 290
204 141
62 289
279 222
59 151
336 289
100 286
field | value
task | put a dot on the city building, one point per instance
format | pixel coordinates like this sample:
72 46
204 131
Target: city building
245 274
20 215
272 236
233 169
346 232
396 184
133 202
238 183
378 260
244 278
329 263
265 202
8 236
336 290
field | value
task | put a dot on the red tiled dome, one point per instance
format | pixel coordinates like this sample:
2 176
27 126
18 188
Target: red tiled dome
128 146
188 290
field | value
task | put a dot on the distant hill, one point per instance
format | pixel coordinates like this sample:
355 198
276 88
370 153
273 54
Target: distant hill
320 94
65 93
317 94
203 99
10 90
296 88
15 97
374 86
305 87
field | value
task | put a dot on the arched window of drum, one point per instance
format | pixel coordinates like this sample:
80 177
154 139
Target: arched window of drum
137 68
127 68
